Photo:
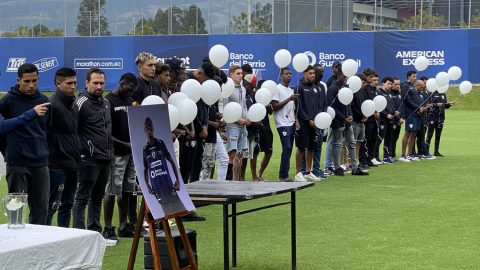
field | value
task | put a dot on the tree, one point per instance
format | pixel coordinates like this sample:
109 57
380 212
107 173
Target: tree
146 28
364 27
261 20
88 16
320 28
38 30
474 21
192 21
10 34
426 21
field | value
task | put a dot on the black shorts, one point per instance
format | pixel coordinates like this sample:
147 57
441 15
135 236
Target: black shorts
305 137
266 140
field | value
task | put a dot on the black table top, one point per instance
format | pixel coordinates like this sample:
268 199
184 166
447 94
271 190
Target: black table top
239 190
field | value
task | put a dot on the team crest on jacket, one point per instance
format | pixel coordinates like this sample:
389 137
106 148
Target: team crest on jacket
382 126
443 97
153 153
431 122
411 125
315 90
284 133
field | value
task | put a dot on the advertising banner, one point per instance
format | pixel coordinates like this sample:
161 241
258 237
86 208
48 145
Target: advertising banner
190 49
473 56
395 52
258 50
112 54
45 53
326 48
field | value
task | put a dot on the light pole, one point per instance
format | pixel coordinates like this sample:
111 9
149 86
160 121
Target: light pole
98 17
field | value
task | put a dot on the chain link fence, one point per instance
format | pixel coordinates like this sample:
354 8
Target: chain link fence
75 18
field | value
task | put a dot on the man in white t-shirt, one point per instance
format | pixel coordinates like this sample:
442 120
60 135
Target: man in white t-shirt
284 114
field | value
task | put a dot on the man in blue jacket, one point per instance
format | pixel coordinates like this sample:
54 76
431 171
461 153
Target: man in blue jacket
27 152
397 120
386 122
64 146
411 112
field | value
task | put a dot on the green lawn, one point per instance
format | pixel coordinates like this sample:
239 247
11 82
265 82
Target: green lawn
418 215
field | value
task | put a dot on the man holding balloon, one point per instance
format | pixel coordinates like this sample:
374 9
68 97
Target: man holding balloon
436 118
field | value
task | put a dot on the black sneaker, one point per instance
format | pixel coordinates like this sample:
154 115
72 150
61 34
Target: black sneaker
437 154
339 172
133 227
370 163
363 166
193 217
126 232
110 236
359 171
328 171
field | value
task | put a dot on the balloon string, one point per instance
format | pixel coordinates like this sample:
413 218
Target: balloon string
457 98
427 99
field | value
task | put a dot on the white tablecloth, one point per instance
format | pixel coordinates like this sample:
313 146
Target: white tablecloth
48 247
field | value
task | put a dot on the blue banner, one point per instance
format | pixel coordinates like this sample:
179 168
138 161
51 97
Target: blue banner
258 50
45 53
190 49
395 52
112 54
473 56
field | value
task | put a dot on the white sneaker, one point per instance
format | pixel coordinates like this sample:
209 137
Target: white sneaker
375 162
395 158
300 178
312 177
413 158
110 242
403 159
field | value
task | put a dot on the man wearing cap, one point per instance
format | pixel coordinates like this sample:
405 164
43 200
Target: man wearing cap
247 70
146 84
334 71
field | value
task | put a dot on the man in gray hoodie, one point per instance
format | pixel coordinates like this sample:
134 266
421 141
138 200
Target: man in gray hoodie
237 131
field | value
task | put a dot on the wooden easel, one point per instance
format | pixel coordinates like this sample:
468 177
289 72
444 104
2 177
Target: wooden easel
145 213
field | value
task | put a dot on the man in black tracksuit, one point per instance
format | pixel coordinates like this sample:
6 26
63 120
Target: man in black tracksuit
96 151
367 148
333 78
311 101
397 119
436 118
422 150
64 146
386 122
26 148
359 119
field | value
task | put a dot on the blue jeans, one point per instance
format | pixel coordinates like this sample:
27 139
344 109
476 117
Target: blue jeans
287 135
63 186
328 163
317 153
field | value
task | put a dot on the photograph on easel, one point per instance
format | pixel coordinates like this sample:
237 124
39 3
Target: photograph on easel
154 157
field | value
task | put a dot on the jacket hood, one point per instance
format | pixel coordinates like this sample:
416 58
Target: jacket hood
16 91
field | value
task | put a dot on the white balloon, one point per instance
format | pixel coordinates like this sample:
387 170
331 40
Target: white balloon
174 116
270 85
192 88
232 112
442 78
354 83
443 89
431 85
368 108
218 55
421 63
263 96
345 96
256 112
350 67
465 87
188 111
323 120
300 62
153 100
380 103
331 112
283 58
176 97
455 73
228 88
210 92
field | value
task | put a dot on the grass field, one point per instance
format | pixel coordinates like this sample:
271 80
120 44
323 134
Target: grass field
418 215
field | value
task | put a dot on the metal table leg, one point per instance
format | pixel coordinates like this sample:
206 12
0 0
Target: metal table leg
234 235
294 232
225 237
